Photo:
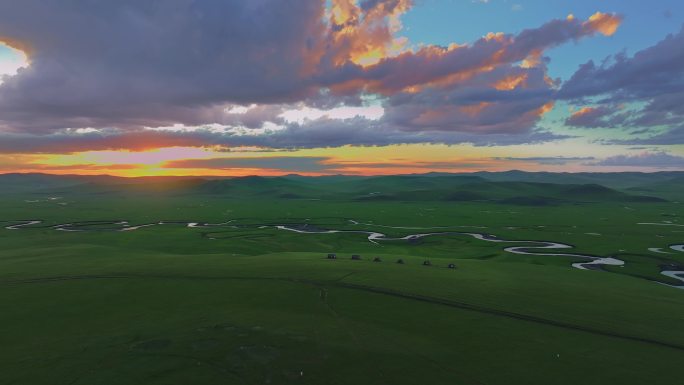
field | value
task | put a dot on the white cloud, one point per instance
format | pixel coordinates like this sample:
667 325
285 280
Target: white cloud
303 114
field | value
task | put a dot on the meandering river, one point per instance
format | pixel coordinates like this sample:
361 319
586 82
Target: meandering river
530 247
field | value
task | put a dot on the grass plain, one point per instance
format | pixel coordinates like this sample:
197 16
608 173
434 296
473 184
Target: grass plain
247 303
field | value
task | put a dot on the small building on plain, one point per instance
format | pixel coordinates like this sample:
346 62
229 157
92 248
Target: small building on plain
356 257
332 256
452 266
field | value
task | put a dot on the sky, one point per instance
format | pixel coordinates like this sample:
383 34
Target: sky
358 87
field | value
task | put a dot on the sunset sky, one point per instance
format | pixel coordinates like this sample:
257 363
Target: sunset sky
270 87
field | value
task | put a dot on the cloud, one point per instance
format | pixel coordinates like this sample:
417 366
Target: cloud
278 163
549 160
645 159
140 62
121 67
64 142
593 117
604 23
449 66
79 168
653 77
672 136
506 100
321 133
653 68
403 166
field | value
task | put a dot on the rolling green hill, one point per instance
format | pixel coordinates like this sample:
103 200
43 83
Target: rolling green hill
448 188
671 188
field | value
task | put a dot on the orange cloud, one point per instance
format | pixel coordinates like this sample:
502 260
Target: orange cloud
606 24
344 11
356 50
532 60
474 109
511 82
546 108
435 66
582 111
365 37
411 166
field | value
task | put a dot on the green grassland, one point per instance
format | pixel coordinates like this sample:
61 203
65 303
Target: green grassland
242 303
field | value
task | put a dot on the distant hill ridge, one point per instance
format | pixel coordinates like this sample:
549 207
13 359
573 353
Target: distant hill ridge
537 189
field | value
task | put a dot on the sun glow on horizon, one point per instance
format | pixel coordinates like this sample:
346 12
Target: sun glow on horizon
350 160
